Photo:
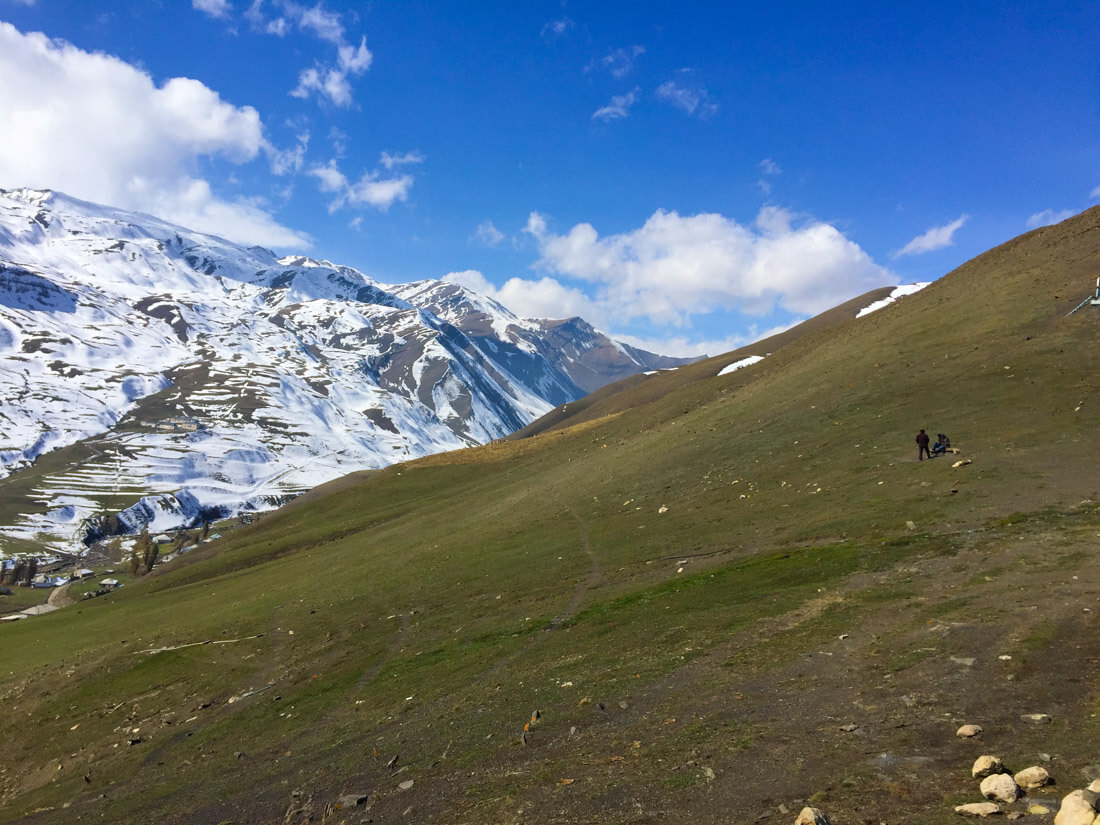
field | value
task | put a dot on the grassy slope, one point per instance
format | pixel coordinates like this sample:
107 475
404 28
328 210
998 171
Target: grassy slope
426 610
638 390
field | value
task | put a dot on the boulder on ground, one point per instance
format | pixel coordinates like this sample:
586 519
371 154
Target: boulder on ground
1000 787
978 809
967 731
1032 778
987 766
812 816
1076 809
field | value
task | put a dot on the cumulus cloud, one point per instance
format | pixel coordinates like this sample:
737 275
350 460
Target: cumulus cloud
938 237
677 266
1049 216
1095 193
617 107
689 99
98 128
487 234
220 9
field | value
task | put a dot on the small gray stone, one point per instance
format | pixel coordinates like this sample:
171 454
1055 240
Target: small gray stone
352 800
967 731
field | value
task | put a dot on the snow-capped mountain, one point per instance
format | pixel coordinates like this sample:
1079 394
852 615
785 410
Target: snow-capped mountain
199 376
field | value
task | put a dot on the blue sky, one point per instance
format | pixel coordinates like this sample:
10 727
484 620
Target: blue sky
687 176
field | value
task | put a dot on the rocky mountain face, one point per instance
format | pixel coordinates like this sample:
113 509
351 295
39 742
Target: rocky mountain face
172 375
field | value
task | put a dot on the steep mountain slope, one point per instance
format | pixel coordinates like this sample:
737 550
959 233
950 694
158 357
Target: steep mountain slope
741 597
204 377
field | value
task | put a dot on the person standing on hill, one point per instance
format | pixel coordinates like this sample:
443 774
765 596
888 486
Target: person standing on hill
922 444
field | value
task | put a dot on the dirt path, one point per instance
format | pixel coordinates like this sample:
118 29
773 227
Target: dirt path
59 596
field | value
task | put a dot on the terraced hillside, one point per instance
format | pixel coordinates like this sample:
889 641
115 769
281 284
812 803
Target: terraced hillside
739 597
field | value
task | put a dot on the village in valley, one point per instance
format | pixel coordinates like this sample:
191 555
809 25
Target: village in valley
33 585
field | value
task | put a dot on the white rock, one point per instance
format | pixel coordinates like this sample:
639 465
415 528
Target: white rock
966 731
978 809
1094 786
1000 787
812 816
1075 810
1036 718
986 765
1033 777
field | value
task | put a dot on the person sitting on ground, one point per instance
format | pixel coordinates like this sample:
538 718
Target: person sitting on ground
941 445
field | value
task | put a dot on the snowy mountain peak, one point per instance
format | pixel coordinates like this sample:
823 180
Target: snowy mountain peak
184 375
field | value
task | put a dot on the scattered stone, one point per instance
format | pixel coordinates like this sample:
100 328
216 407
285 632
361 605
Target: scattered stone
1075 810
1038 810
978 809
812 816
352 800
1091 772
962 463
986 766
967 731
1036 718
965 661
408 783
1017 815
1032 778
911 525
849 728
1000 787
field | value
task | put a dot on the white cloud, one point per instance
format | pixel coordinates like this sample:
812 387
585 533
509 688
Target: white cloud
98 128
1095 193
378 192
285 161
541 298
935 238
330 177
220 9
674 266
329 81
390 161
487 234
620 62
688 99
325 24
681 346
769 167
617 107
556 28
1049 216
371 189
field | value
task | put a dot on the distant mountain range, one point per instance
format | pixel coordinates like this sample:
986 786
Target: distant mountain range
152 375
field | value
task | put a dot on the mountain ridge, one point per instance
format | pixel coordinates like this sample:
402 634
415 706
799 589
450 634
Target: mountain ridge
260 376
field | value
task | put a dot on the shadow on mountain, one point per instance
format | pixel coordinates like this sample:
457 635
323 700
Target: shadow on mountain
20 289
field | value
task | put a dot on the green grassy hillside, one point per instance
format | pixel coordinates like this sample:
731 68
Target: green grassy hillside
744 594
